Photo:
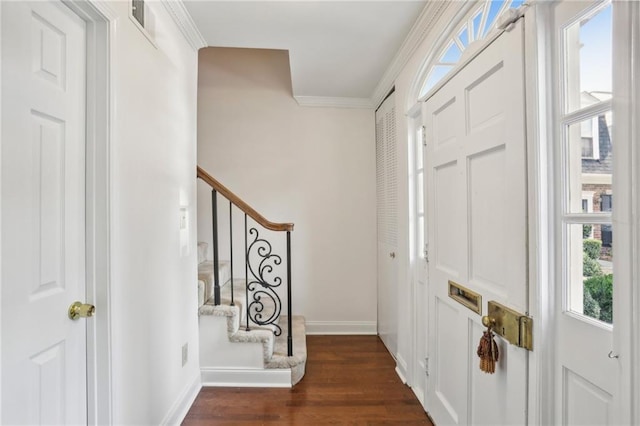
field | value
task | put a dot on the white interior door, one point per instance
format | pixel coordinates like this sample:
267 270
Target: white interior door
43 214
476 198
387 219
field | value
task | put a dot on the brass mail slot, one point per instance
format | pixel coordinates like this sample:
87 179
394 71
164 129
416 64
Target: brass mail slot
515 327
466 297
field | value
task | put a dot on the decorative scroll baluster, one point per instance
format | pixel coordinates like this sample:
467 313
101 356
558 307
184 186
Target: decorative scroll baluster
231 248
216 266
262 283
289 313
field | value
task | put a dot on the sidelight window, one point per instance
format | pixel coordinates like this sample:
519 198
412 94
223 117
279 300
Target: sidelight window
587 164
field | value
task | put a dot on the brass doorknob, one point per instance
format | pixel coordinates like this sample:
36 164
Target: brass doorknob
81 310
488 322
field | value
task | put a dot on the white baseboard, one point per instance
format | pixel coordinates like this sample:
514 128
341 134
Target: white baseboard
342 327
401 368
185 400
419 395
248 378
401 374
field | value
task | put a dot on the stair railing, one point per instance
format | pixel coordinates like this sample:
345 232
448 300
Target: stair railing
261 283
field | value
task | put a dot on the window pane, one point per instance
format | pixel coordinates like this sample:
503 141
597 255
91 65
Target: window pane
419 149
464 36
420 192
452 54
436 74
420 237
590 265
589 155
476 25
494 9
588 60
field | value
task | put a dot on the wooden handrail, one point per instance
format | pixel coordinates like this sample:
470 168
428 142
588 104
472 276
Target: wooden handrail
241 204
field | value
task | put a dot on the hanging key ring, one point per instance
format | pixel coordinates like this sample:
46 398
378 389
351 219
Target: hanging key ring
612 356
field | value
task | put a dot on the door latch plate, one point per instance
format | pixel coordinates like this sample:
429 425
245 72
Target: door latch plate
513 326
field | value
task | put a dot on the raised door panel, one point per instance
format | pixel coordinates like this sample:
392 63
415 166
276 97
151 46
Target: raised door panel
583 402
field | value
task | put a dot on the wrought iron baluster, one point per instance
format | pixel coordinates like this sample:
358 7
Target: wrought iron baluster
216 266
262 283
289 313
231 247
246 269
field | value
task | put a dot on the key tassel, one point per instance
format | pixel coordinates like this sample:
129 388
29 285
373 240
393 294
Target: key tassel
488 352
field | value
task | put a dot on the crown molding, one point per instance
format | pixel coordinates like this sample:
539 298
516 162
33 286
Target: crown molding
183 20
421 28
333 102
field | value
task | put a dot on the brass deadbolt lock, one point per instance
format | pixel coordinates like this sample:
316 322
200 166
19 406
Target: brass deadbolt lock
513 326
81 310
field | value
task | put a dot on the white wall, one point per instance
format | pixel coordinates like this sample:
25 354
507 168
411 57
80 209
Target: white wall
153 157
314 167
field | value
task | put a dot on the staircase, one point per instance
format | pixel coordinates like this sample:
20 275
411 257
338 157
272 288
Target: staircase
248 336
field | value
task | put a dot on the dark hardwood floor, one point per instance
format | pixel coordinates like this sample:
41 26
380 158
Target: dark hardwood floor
349 380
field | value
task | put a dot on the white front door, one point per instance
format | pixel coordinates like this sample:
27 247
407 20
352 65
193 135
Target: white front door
477 232
43 214
387 202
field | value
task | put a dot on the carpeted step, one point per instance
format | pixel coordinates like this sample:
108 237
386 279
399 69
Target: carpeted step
297 363
239 300
206 281
274 348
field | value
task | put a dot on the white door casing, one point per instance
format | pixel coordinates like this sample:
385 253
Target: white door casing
387 223
43 213
477 231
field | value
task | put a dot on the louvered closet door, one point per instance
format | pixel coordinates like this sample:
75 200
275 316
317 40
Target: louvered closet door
387 201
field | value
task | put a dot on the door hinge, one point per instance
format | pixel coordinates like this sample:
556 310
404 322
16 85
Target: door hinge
426 252
510 17
424 136
426 366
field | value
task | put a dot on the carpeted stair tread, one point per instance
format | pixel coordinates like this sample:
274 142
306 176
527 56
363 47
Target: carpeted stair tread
298 361
205 276
274 348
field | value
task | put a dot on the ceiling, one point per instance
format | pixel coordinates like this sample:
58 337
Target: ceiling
337 49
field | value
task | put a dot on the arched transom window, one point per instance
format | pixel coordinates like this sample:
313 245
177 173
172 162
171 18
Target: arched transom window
480 22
